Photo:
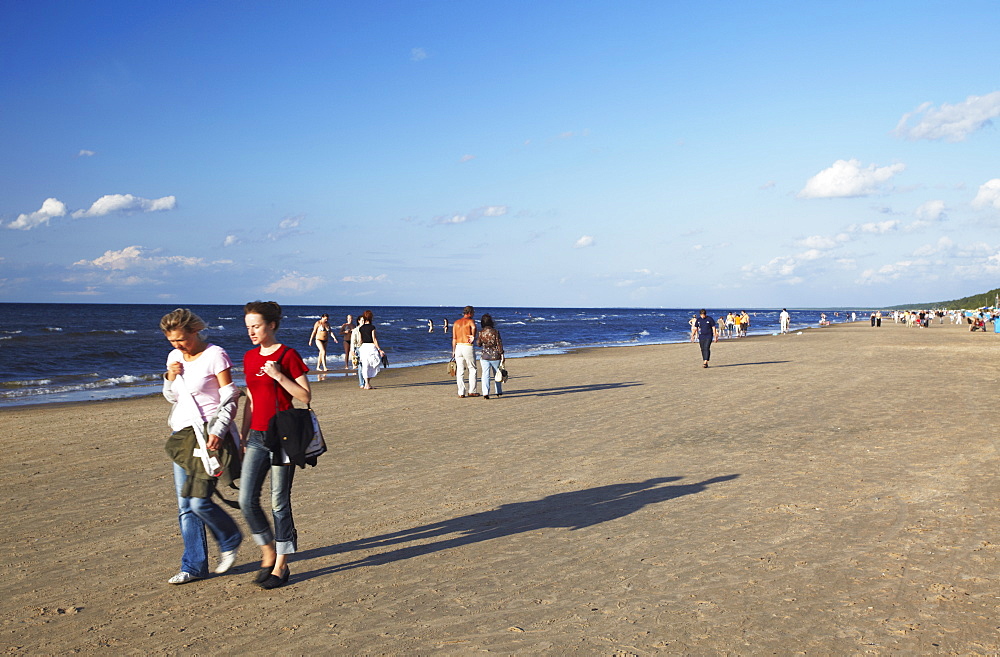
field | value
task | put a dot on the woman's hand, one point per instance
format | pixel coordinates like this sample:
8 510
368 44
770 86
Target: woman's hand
213 442
272 369
174 370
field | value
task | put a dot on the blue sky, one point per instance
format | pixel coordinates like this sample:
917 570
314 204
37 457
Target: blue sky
662 154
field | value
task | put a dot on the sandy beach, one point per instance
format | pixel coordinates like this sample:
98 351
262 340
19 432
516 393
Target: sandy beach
829 492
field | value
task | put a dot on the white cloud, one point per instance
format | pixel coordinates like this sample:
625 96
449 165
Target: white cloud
418 55
950 122
875 227
584 241
824 241
126 203
931 211
847 178
232 240
381 278
51 207
989 195
943 245
294 283
86 153
467 158
136 257
289 223
472 215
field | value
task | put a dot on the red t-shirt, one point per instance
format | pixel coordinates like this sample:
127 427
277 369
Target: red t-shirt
263 388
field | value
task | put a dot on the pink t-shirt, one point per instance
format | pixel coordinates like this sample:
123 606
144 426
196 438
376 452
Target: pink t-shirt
201 380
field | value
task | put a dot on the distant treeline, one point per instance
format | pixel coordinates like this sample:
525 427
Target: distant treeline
975 301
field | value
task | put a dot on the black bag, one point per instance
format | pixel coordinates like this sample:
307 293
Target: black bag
294 437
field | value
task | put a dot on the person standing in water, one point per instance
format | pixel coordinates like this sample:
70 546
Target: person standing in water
321 333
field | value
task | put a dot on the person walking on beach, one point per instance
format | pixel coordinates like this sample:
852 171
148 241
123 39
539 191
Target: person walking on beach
708 332
785 319
370 354
491 355
463 336
274 374
321 333
345 337
199 385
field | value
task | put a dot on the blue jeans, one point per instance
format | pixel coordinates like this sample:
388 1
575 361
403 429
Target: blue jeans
361 377
490 367
256 464
195 514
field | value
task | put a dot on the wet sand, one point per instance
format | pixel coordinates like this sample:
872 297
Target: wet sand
829 492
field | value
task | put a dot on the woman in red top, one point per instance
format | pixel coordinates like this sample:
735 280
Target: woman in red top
274 374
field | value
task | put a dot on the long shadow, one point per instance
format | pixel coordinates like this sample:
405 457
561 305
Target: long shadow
565 390
765 362
571 510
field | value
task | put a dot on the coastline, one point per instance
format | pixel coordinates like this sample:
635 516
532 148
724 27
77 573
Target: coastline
122 393
806 492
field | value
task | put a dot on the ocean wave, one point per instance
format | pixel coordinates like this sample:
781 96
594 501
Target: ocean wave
25 383
109 332
54 329
562 344
41 388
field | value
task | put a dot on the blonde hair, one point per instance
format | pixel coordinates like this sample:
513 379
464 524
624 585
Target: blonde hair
182 319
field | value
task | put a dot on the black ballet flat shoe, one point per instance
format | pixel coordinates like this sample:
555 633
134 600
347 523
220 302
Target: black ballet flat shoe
274 582
262 575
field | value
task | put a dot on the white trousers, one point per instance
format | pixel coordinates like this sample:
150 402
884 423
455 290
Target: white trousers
465 357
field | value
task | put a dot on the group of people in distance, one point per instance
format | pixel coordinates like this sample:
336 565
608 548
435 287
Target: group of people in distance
464 338
361 349
731 325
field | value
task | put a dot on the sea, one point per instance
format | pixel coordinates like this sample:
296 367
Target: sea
84 352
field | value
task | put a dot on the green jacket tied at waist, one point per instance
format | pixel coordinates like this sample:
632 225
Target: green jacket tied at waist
180 447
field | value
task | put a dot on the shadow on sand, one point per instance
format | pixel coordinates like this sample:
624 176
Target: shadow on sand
571 510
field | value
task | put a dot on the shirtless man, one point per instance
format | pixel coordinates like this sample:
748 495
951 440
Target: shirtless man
463 336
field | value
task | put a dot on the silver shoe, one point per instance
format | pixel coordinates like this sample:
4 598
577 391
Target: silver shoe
226 561
182 578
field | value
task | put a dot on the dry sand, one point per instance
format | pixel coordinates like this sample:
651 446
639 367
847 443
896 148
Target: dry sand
829 492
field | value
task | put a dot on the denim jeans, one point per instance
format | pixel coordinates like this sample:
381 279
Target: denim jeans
361 376
706 348
490 368
195 514
256 464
